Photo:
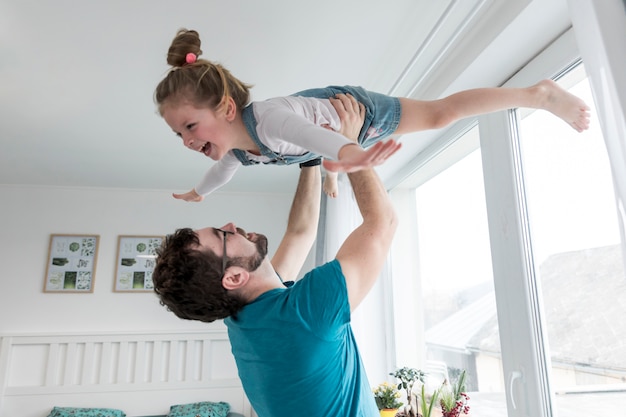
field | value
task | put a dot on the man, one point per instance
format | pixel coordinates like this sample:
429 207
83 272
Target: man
294 347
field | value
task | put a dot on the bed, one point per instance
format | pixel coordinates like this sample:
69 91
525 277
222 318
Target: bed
141 374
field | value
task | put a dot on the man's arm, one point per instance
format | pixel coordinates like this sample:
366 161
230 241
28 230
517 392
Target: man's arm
301 226
363 253
304 215
352 157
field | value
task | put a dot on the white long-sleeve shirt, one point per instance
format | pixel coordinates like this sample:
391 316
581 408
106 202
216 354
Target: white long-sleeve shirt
288 126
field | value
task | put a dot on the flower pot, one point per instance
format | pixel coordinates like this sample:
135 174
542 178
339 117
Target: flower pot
388 412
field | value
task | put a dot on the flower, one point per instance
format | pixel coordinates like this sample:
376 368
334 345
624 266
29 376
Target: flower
386 396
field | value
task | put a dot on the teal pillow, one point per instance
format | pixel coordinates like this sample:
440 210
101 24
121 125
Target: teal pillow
200 409
85 412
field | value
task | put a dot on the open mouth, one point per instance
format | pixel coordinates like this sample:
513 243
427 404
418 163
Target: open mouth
205 149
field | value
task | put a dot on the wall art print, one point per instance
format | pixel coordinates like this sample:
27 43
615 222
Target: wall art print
135 262
71 263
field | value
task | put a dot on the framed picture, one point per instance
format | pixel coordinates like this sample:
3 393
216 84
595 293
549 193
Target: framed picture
71 263
135 263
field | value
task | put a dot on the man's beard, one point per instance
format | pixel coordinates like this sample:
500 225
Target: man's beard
252 263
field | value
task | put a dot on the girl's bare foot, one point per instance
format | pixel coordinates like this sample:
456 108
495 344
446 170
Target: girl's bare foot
330 184
563 104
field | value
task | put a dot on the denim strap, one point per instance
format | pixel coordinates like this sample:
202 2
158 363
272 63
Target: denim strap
250 123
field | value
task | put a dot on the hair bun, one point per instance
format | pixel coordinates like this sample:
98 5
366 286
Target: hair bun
185 43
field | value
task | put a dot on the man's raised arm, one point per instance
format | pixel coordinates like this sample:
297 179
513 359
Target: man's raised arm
301 226
363 254
304 215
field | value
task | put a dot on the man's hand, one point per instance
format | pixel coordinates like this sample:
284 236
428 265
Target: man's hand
354 158
351 113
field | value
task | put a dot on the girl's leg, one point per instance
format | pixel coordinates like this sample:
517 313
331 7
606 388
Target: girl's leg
330 184
547 95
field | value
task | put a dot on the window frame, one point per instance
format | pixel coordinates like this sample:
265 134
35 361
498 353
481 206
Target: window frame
525 356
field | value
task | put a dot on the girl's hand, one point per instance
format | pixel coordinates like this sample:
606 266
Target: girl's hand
189 196
352 158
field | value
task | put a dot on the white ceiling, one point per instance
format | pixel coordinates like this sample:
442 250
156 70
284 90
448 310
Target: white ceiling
77 77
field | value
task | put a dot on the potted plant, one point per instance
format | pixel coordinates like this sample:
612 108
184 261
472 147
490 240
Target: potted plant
453 399
408 377
386 396
425 404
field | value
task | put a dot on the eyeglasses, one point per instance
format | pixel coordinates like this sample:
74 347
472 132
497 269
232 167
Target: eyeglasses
224 257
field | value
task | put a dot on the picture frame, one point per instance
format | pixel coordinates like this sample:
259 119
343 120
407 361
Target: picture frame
135 263
71 263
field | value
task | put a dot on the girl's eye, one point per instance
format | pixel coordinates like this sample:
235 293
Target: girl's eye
190 126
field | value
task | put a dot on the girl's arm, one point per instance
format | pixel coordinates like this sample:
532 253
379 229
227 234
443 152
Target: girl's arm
282 130
281 126
219 174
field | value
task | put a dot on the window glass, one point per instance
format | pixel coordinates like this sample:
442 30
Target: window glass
577 258
459 311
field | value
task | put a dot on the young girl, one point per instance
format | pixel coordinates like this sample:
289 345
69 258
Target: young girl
209 109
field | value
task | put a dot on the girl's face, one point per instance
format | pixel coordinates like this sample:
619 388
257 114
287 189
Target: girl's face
202 129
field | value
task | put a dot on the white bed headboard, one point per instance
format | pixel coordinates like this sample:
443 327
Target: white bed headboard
141 374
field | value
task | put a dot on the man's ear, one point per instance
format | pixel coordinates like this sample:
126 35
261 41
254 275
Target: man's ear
235 277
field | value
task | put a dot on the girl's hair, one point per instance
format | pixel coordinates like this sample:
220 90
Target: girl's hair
202 83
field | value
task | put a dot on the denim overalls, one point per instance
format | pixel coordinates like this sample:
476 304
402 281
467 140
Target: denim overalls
382 116
276 159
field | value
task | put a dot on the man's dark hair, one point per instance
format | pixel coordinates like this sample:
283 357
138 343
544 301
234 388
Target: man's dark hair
188 281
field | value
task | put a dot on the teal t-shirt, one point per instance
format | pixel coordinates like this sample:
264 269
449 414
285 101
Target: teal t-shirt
295 351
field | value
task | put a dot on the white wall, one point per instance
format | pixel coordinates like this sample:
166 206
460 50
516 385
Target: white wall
30 214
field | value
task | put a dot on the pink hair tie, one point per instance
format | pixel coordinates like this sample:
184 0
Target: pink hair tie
190 58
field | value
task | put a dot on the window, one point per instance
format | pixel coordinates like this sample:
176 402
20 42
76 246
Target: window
578 259
555 338
457 292
456 324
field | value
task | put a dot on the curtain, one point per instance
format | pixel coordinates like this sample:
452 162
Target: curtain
341 216
372 320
